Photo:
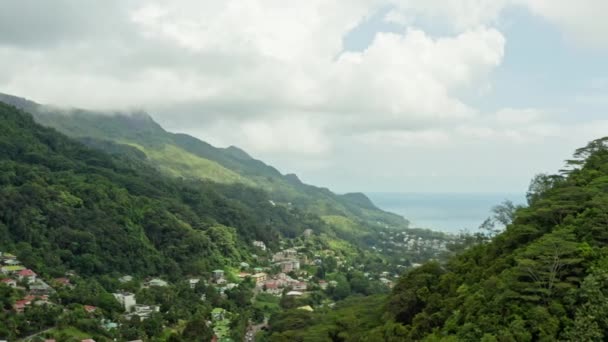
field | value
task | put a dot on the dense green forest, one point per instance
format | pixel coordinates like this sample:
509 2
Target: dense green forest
545 278
66 206
183 156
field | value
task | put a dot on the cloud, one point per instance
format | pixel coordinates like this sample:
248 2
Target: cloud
275 77
264 63
458 14
583 20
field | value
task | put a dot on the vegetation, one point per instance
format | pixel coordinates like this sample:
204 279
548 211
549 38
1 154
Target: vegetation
544 278
96 210
181 155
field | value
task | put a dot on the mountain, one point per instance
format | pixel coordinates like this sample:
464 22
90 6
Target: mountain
65 206
183 156
544 278
81 214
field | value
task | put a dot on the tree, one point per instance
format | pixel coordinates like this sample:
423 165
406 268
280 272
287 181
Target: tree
540 184
550 264
197 330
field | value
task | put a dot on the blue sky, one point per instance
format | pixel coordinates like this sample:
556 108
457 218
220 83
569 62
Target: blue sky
358 95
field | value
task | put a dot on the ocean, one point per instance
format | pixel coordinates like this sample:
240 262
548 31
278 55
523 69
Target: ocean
447 212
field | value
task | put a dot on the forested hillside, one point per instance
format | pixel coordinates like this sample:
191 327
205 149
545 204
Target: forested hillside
64 206
183 156
545 278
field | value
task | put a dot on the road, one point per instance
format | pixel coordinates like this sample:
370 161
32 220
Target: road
253 329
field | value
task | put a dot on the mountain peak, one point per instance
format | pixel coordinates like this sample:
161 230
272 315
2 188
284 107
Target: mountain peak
237 152
19 102
359 199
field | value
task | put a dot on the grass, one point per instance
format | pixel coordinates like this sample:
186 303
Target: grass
177 162
268 303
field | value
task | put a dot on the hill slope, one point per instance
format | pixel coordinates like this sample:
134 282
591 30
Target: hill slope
64 206
545 278
181 155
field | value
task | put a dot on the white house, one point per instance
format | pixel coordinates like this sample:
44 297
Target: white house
193 282
157 282
126 299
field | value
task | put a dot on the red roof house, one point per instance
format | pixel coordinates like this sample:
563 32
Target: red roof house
90 308
20 305
27 274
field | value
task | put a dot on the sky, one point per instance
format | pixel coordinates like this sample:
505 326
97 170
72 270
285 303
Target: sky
354 95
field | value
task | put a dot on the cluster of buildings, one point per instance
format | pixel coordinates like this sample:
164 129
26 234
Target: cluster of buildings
400 241
132 309
288 260
276 284
15 275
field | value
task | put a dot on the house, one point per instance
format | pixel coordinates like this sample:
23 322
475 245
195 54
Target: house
8 256
39 287
157 282
244 265
62 281
9 282
260 244
323 284
109 325
218 314
37 300
218 274
88 340
90 308
300 286
143 311
125 279
193 282
26 274
126 299
294 293
20 305
244 275
285 255
11 269
290 265
259 278
11 262
272 287
386 282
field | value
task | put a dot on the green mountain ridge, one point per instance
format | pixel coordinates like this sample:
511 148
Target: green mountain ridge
181 155
90 211
544 278
65 206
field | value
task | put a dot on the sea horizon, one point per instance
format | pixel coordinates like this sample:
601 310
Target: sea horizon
450 212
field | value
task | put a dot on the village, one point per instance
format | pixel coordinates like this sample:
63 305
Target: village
416 247
289 272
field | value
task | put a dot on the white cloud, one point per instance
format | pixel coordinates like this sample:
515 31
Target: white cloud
254 61
582 20
409 78
274 77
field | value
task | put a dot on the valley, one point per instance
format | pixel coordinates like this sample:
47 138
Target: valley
120 246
